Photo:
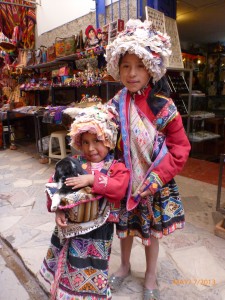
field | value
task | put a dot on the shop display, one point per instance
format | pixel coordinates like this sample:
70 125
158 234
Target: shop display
65 46
41 55
18 24
17 41
216 74
57 76
91 37
114 28
177 83
178 89
216 82
202 135
202 114
88 100
51 53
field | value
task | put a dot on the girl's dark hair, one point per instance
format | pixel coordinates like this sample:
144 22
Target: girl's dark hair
161 87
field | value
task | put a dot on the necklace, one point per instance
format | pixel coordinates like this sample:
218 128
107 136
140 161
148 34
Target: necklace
141 91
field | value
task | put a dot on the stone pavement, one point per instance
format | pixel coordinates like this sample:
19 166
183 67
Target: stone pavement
17 291
191 262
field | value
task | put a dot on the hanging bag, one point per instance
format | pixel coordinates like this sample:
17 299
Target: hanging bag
59 47
51 53
70 45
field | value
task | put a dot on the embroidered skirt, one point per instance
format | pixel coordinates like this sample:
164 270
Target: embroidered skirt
77 268
163 216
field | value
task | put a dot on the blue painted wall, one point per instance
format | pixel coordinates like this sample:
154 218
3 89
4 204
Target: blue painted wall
168 7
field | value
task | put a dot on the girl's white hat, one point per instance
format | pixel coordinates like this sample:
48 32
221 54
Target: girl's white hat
140 38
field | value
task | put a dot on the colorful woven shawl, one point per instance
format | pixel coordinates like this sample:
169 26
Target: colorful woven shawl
143 142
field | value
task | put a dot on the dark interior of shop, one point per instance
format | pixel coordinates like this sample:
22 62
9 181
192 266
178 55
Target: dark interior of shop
201 21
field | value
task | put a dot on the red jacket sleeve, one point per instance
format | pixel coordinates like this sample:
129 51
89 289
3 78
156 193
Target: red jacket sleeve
179 148
114 185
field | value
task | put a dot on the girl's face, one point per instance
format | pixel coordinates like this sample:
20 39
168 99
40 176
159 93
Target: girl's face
91 34
133 74
94 150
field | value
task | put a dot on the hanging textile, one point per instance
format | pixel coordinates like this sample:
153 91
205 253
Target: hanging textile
18 23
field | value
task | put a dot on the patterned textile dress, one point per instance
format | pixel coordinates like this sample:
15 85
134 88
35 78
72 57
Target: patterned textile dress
145 150
77 267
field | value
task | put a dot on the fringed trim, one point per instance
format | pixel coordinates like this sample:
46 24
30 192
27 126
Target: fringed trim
172 228
154 233
62 295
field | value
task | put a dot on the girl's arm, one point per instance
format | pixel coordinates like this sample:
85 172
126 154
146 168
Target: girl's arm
114 185
179 148
173 162
60 218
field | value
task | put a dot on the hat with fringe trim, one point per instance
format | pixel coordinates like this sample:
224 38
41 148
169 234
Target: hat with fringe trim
97 119
140 38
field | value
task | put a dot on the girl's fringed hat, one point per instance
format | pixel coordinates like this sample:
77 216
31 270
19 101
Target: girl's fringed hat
97 119
140 38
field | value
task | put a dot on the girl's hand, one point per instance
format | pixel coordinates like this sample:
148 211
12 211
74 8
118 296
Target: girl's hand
80 181
143 193
60 218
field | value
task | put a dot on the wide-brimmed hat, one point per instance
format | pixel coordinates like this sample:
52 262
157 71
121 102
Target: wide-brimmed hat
98 119
140 38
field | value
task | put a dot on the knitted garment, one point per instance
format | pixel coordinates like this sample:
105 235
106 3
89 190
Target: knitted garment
97 119
140 38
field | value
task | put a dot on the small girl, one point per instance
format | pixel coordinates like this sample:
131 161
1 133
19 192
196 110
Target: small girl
77 261
154 145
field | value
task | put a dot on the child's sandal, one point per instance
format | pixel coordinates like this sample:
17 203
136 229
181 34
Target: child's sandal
151 294
115 282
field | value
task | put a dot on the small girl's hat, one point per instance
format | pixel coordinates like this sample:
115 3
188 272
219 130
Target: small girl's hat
140 38
97 119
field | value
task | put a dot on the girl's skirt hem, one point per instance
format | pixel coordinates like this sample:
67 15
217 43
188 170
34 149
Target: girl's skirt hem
146 241
63 295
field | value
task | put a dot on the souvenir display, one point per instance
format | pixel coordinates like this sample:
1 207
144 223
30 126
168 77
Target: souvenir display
88 100
91 37
78 61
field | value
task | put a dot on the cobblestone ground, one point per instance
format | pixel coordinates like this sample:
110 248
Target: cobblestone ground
191 262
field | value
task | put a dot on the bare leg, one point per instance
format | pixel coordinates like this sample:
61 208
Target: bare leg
125 248
151 253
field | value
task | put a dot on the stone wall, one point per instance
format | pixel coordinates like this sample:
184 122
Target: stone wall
74 27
